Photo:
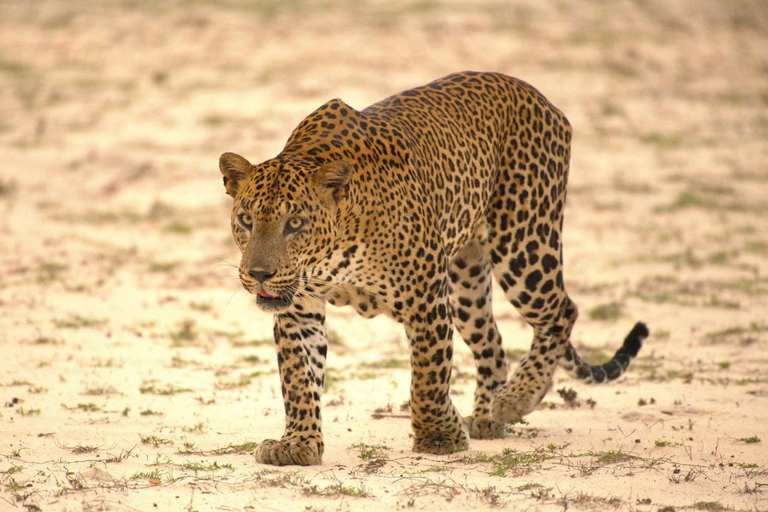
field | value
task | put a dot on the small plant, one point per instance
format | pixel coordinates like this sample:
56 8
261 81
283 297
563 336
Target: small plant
376 452
12 470
106 363
48 272
335 339
197 427
160 267
336 490
100 390
89 407
261 342
185 334
388 364
178 228
515 354
77 321
331 378
168 390
119 458
750 440
155 474
84 449
150 412
45 340
28 412
511 460
155 441
200 306
610 311
244 448
243 380
189 449
612 457
211 466
708 505
753 328
12 486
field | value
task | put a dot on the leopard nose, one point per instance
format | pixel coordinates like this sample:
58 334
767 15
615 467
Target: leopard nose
261 275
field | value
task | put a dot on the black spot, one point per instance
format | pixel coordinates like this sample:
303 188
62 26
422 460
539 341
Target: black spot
548 263
516 265
532 280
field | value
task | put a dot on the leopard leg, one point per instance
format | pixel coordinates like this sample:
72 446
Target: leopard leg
532 379
301 343
524 224
531 277
471 299
438 428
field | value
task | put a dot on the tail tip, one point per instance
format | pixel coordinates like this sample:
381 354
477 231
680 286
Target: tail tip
634 340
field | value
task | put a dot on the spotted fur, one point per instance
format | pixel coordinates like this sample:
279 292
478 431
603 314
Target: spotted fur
408 208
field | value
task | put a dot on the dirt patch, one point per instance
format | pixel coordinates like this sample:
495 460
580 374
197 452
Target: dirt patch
137 374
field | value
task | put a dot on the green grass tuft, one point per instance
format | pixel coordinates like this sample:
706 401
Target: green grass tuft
609 311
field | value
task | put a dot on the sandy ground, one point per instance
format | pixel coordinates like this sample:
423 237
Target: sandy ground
136 374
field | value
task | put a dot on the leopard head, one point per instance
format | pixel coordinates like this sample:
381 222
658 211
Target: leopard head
284 220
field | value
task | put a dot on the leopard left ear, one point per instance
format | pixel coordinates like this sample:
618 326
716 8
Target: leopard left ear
234 168
332 179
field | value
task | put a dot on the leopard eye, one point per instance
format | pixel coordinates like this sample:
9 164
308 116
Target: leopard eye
245 220
294 225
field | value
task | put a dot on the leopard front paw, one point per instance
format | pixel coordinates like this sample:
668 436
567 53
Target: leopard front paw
440 444
451 439
289 452
510 404
484 428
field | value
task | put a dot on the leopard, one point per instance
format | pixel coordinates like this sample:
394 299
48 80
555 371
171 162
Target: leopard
412 208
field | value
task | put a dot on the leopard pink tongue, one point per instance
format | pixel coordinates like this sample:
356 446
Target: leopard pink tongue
265 295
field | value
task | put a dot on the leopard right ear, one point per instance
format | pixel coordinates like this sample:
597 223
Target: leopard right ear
234 168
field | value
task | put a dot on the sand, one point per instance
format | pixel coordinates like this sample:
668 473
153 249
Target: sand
137 374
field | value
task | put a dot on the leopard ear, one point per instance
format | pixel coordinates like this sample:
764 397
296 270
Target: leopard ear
234 168
332 179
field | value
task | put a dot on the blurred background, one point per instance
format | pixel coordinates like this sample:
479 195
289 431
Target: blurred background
113 115
117 266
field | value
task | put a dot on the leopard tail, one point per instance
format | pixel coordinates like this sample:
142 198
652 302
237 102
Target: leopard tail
614 368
